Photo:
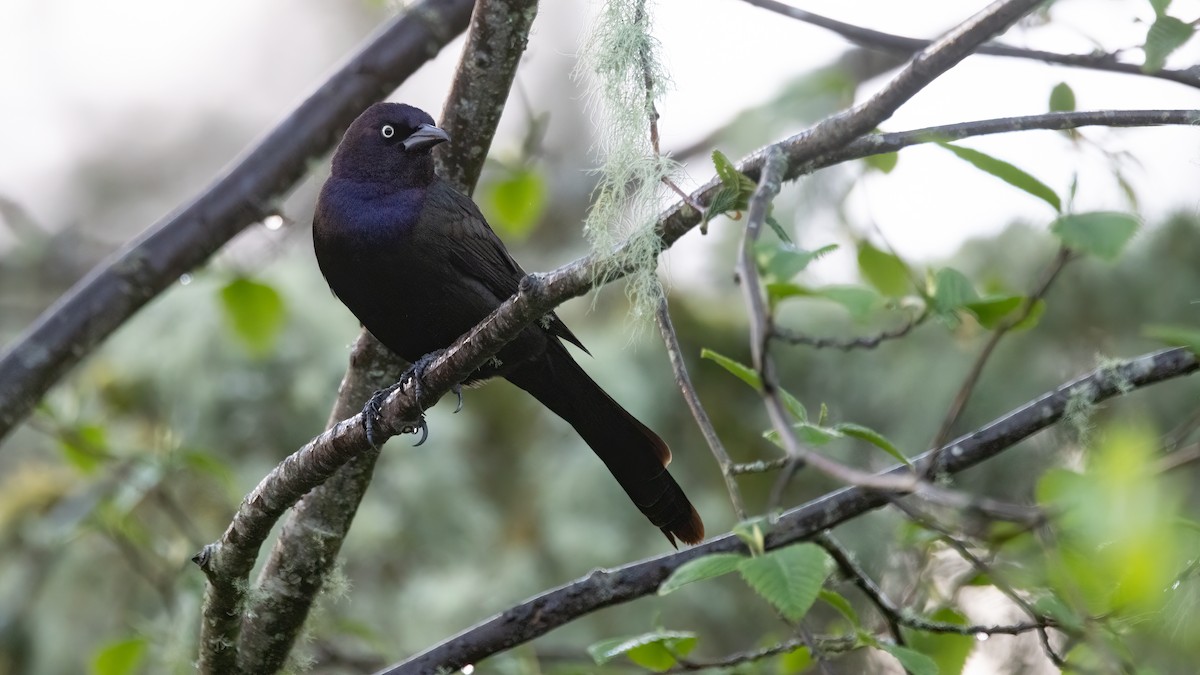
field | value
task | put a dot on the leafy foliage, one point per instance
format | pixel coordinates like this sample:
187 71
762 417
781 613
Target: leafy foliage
1006 172
1103 234
256 313
657 651
517 202
1166 35
885 271
1062 98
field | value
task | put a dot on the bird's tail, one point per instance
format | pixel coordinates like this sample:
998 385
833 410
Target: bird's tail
636 456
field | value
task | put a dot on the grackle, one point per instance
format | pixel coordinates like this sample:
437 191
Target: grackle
419 266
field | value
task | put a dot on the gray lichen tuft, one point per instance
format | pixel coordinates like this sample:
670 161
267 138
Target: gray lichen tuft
620 65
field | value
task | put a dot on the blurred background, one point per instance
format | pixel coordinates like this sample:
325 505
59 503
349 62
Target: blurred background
115 113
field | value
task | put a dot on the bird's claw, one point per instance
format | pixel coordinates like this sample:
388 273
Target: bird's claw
421 427
414 376
372 414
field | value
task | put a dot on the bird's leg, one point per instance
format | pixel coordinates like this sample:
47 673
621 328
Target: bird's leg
372 411
372 415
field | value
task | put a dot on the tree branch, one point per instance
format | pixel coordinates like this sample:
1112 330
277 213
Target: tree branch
308 545
692 398
227 561
111 293
898 44
968 386
603 588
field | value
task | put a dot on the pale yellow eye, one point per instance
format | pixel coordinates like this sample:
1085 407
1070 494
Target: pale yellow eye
388 131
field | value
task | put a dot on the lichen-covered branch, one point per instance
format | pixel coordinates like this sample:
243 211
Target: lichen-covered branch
310 540
603 588
898 44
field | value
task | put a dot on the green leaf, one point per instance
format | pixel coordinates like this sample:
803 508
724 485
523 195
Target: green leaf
779 231
700 569
753 533
735 191
794 406
857 300
1031 319
655 651
860 301
1116 548
914 662
1099 233
516 203
255 312
206 463
952 291
1053 606
1062 98
874 438
1175 335
782 261
842 605
1007 173
884 162
730 176
119 658
85 446
949 651
795 662
991 311
1160 6
789 578
885 271
1166 35
744 373
813 434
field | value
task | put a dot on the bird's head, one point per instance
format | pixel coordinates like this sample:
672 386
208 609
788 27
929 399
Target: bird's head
389 142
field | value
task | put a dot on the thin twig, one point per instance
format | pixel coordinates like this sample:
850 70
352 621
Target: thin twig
968 385
859 577
897 44
675 354
986 570
846 344
894 616
604 588
825 644
1178 459
1180 433
761 466
760 331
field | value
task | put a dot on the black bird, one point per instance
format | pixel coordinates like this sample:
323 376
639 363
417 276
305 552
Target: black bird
419 266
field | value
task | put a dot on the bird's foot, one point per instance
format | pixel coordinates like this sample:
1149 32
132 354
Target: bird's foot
415 375
372 415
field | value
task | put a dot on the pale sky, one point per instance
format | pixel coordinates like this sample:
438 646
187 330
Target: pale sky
71 69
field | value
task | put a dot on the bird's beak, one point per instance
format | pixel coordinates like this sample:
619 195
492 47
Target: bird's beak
426 136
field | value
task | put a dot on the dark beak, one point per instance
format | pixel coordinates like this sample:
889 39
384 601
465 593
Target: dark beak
426 136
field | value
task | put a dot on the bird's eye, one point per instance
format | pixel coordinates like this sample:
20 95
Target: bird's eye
388 131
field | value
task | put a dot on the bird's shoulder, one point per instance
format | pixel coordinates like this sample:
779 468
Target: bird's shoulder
353 207
480 254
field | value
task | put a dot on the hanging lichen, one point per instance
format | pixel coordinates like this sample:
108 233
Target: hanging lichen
619 62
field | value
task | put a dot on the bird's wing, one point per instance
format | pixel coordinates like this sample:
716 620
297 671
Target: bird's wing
478 252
